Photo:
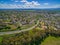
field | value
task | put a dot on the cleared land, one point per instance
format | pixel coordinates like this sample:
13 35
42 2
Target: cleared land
51 41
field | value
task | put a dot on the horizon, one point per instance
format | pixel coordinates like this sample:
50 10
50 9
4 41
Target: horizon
29 4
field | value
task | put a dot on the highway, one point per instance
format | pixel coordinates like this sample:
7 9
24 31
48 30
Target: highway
19 31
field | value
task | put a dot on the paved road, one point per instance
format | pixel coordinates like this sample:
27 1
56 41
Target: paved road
18 31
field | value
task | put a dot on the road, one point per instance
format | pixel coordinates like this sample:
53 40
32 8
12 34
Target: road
18 31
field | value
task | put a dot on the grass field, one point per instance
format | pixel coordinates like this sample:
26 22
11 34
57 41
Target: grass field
1 39
51 41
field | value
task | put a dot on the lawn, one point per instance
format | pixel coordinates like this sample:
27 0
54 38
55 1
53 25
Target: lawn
51 41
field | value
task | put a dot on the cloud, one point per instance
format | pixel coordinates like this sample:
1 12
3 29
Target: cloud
10 6
52 6
16 1
27 4
46 3
23 1
12 0
32 4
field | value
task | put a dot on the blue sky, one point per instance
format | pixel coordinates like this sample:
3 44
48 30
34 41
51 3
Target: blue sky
12 4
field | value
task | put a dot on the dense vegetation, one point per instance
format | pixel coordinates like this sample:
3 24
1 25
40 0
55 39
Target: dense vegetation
32 37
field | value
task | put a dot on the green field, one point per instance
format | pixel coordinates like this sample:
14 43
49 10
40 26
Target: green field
51 41
1 39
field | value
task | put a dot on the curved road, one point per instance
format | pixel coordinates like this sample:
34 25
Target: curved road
19 31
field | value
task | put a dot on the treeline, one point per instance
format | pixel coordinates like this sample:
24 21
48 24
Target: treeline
32 37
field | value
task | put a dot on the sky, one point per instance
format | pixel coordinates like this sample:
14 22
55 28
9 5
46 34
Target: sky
21 4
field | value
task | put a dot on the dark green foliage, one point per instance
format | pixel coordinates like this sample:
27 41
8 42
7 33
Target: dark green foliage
26 38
